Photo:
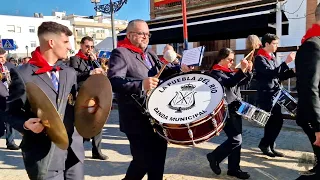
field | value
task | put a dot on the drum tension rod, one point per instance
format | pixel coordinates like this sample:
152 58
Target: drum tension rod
165 133
152 122
215 125
191 134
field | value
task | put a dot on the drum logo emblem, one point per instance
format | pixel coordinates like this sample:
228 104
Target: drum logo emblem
183 99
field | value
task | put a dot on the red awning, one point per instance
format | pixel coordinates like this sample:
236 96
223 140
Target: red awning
163 2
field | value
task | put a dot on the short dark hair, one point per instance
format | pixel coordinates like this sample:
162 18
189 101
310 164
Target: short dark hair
85 39
268 38
2 51
53 27
222 54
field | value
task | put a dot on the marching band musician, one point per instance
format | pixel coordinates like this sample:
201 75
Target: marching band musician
4 90
231 80
308 80
83 63
131 69
268 76
3 96
252 42
43 160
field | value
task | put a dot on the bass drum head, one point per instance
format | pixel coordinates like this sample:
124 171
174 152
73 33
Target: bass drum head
185 98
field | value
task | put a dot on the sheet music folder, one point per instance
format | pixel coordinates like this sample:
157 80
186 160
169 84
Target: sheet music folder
193 57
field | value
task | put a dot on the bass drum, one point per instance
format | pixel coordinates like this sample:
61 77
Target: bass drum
188 108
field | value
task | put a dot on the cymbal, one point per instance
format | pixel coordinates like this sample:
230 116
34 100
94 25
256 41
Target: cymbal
93 105
50 118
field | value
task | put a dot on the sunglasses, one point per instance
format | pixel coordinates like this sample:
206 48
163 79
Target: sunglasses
230 59
87 46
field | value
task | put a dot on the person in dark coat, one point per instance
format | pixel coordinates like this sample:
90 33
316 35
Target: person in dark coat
83 63
132 67
44 160
231 80
269 74
308 79
6 66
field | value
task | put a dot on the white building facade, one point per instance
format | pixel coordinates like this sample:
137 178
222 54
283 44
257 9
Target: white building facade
98 27
23 30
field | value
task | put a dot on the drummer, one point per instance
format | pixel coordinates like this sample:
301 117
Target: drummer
231 80
132 67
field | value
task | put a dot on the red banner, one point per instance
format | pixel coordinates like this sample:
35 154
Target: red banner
163 2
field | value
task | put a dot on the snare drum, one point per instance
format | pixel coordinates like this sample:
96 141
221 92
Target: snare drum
286 101
246 110
260 117
253 114
188 108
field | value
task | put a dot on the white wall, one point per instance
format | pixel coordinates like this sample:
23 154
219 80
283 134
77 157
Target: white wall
24 37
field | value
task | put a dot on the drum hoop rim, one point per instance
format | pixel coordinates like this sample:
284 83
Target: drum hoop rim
289 96
205 138
257 108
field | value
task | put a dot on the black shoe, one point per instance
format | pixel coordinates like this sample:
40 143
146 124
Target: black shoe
13 147
100 156
277 153
214 165
239 174
310 172
266 151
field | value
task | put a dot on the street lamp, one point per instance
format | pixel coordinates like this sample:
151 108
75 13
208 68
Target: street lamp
27 48
95 2
110 8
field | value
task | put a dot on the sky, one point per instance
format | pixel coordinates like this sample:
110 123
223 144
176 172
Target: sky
134 9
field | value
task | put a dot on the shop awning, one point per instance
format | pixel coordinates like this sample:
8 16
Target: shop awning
232 24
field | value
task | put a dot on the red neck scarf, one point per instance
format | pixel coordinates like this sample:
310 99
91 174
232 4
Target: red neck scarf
127 44
221 68
81 55
163 60
39 61
312 32
264 53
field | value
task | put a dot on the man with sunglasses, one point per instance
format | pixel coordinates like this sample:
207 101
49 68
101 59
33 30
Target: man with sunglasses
269 74
132 67
83 63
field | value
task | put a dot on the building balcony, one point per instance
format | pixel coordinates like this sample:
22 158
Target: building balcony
118 26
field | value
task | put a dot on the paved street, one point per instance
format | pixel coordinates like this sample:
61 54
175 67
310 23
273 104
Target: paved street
182 163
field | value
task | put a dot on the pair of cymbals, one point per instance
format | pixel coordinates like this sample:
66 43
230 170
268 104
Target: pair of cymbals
92 108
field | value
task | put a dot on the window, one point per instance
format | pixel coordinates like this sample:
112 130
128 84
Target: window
89 30
33 44
10 28
18 29
32 29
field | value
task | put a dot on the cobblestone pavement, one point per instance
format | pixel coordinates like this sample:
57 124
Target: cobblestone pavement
182 163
